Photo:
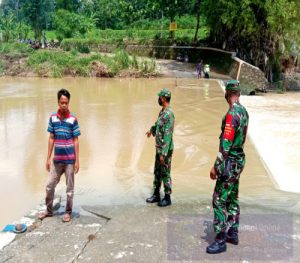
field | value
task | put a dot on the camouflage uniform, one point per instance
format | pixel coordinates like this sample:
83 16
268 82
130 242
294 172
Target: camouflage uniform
229 165
163 132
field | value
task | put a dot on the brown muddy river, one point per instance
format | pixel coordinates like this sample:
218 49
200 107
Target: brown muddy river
116 158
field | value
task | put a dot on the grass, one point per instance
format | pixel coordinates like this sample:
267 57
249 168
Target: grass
183 22
60 63
14 50
131 37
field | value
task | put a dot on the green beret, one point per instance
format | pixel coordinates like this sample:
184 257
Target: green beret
164 93
233 85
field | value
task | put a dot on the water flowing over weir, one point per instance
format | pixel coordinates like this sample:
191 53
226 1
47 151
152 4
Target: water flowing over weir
116 158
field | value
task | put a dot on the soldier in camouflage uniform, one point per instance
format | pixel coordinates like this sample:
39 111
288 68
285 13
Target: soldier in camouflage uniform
163 132
227 169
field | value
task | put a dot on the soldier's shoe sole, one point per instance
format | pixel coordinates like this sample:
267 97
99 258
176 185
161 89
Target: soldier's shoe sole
164 205
152 201
216 251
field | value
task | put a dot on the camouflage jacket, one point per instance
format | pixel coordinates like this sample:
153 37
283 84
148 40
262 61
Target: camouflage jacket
233 136
163 131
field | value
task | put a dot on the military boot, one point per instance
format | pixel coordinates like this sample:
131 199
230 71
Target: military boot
166 201
219 245
154 198
232 236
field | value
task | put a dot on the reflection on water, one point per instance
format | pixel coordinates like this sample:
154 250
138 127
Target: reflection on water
116 158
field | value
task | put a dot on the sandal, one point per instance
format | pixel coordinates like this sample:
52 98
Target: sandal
66 218
43 215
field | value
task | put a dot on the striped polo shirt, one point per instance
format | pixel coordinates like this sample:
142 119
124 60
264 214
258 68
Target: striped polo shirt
64 132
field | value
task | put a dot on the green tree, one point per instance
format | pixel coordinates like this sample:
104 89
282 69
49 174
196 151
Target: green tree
256 29
197 11
173 8
70 24
70 5
106 12
7 26
36 13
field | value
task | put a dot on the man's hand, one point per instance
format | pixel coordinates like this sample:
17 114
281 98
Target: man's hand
162 160
76 167
48 165
148 133
213 173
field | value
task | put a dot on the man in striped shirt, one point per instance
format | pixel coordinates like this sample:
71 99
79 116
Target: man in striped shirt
64 131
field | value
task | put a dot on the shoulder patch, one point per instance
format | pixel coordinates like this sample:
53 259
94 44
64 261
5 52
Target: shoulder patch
229 130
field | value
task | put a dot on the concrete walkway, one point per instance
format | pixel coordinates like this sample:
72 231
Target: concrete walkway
147 233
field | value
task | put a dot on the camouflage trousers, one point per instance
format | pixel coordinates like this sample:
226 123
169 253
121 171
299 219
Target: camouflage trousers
162 173
225 198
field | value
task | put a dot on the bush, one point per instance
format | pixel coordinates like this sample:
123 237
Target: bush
84 48
134 62
60 63
183 22
121 58
122 38
15 50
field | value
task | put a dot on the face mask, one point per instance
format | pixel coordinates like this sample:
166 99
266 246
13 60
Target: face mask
160 102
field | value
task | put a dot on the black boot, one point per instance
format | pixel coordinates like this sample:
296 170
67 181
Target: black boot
233 236
154 198
219 245
166 201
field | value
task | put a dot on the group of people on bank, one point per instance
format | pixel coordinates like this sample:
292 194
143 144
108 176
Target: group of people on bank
64 132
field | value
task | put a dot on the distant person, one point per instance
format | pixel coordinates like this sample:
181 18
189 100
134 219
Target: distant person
163 132
206 71
64 131
227 169
199 67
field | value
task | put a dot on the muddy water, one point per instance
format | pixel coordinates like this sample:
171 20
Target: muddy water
276 119
116 158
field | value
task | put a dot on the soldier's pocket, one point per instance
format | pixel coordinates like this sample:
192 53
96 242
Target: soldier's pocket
225 173
229 168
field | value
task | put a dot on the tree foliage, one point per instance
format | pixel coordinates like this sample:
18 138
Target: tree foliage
259 30
70 24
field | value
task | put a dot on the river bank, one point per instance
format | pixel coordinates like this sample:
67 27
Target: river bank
20 60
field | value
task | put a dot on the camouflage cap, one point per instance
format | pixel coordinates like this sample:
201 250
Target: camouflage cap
233 85
164 93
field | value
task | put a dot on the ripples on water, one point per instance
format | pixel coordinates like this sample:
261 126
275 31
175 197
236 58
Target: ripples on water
116 158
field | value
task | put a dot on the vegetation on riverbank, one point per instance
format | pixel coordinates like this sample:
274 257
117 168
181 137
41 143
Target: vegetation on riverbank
264 33
184 37
20 59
